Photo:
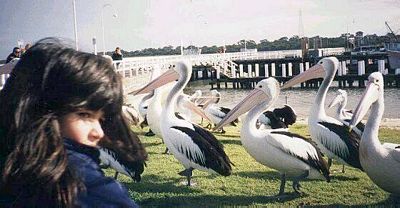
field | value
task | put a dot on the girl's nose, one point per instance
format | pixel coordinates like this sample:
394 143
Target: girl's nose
97 130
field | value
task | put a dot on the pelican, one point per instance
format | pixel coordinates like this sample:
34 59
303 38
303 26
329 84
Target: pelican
279 118
268 120
154 110
195 97
193 146
109 158
130 114
381 163
331 135
214 112
291 154
143 105
341 101
287 114
343 114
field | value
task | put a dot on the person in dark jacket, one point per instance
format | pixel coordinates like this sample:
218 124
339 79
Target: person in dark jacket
117 55
16 53
57 108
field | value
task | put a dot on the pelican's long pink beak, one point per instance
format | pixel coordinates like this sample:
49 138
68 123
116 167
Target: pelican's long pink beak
191 106
255 97
316 71
370 95
166 77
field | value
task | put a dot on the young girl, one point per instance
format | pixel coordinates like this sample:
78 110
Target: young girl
56 108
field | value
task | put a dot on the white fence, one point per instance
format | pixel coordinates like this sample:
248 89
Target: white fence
140 67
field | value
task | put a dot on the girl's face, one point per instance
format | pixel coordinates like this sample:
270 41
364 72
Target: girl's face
83 126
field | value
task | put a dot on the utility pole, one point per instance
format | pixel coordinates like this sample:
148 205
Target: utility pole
75 25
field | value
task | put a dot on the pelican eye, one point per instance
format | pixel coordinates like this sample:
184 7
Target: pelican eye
260 86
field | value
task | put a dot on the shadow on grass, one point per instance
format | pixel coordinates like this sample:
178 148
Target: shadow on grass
266 175
227 135
149 184
391 201
152 144
214 201
344 178
230 141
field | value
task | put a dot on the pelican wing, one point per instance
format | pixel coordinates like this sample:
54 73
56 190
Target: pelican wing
131 169
216 111
335 132
287 114
212 153
224 110
360 126
270 119
300 147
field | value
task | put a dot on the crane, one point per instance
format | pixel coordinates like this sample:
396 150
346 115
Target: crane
391 31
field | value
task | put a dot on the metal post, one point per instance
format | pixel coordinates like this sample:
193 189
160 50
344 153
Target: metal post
75 25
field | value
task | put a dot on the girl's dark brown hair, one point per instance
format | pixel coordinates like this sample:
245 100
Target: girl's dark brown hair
49 81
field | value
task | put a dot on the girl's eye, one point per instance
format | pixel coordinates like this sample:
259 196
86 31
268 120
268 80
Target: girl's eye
84 114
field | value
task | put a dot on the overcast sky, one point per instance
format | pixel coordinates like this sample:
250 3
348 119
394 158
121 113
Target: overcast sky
157 23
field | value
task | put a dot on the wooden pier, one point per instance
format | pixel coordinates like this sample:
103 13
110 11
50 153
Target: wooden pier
353 71
347 81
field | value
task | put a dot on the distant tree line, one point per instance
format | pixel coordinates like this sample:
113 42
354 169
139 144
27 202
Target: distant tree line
283 43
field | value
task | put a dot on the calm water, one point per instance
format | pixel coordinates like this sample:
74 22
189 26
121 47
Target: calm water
302 99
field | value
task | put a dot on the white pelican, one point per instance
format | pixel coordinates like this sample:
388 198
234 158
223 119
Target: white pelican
343 114
341 101
290 154
109 158
130 114
332 136
195 97
214 112
193 146
185 107
143 105
381 163
154 109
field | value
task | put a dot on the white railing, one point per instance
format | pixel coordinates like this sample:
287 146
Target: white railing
140 67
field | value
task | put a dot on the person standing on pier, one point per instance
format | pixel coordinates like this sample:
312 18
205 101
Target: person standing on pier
117 55
56 109
16 53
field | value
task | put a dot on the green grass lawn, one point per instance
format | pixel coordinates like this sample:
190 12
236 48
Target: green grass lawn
251 184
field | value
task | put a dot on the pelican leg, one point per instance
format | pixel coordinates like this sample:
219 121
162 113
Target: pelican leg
223 131
343 169
188 173
329 163
283 182
150 133
116 175
166 150
296 181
